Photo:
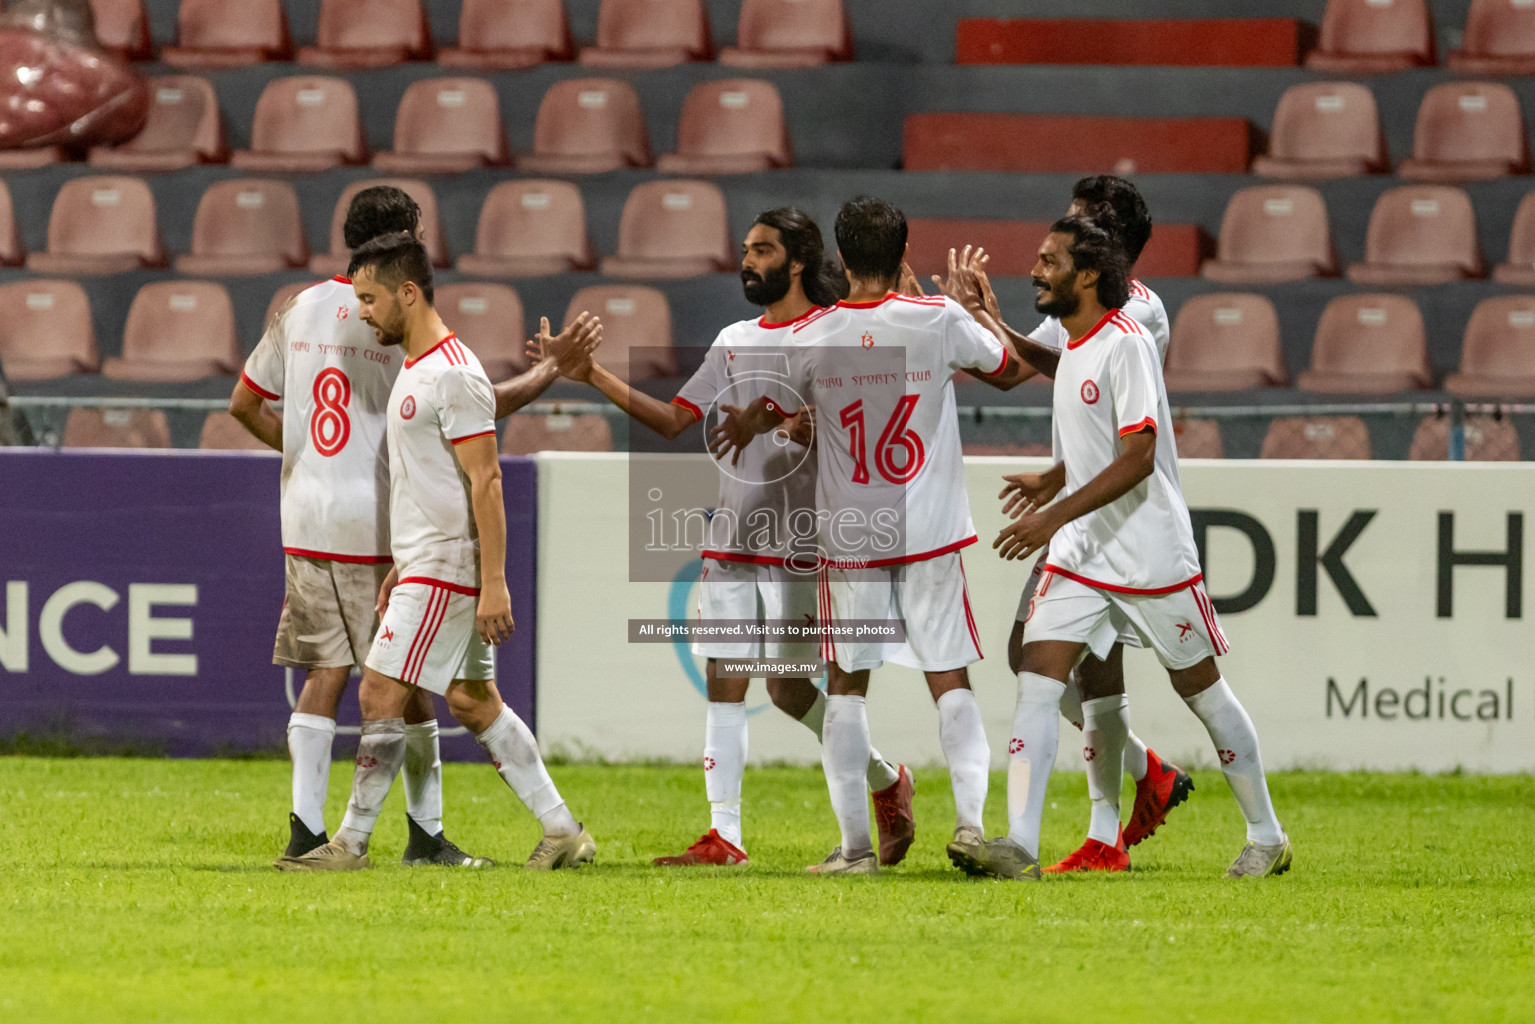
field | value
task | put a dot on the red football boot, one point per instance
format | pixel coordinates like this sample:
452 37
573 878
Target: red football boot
892 812
711 849
1095 856
1164 787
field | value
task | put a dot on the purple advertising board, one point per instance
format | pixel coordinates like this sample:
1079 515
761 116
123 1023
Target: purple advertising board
139 596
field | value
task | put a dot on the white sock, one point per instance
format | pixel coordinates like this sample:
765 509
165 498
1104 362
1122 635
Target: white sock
1236 743
514 752
845 759
1105 724
881 774
724 766
1135 752
964 748
380 753
1031 756
309 742
423 776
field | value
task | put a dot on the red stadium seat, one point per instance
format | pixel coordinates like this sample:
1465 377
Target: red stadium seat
1363 37
184 129
12 252
1273 233
732 126
446 125
1368 344
527 433
672 229
1420 235
1519 268
1497 353
789 34
489 319
503 35
587 126
177 331
229 34
636 329
1060 144
222 432
1487 439
1225 342
649 34
1198 439
530 228
122 28
116 428
356 34
304 123
1468 131
335 262
1335 437
46 331
101 225
246 226
1324 130
1499 39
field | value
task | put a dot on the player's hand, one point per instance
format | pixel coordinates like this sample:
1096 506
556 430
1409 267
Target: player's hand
962 285
385 590
1025 535
988 297
1025 492
731 435
801 427
908 285
572 348
493 618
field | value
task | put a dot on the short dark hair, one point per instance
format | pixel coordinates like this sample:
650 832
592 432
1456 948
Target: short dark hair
1117 205
871 235
1094 248
379 210
802 241
395 259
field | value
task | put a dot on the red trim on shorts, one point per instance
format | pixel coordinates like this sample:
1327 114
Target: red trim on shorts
1212 626
456 588
257 388
471 437
1118 589
1149 422
880 563
683 403
975 636
431 622
326 556
731 556
1096 328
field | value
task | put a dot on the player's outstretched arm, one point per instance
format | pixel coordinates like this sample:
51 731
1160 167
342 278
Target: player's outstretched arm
568 353
1032 531
477 457
255 415
740 426
968 285
666 418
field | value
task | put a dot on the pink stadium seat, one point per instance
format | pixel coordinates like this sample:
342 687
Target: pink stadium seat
503 35
1468 131
587 126
229 34
335 262
636 329
356 34
790 34
527 433
304 123
222 432
1225 342
1273 233
1519 268
122 28
1488 439
1420 235
489 319
246 226
116 428
732 126
1499 39
184 128
672 229
649 34
1336 437
101 225
1497 353
177 331
46 331
1368 344
1324 130
1198 439
12 252
1364 37
530 228
446 125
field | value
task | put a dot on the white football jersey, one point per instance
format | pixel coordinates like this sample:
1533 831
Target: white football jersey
1108 385
1145 308
439 400
333 378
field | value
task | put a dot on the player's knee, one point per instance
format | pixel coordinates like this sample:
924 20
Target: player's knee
1015 648
794 697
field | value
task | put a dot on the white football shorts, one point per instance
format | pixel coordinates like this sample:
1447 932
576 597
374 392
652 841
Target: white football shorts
327 616
929 597
750 592
428 639
1181 626
1127 636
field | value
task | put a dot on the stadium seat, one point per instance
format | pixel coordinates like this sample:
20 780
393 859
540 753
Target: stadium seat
1198 439
1497 353
184 128
530 228
527 433
328 264
732 126
222 432
229 34
1420 235
1368 344
489 319
446 125
47 330
1334 437
354 34
1324 130
12 252
304 123
1225 342
503 35
1519 268
636 329
116 428
1364 37
1468 131
789 34
101 225
672 229
1487 439
122 28
1273 233
177 331
649 34
1499 39
587 126
246 226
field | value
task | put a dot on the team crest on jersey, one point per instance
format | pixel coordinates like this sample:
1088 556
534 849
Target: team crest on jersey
1089 392
408 407
342 313
867 339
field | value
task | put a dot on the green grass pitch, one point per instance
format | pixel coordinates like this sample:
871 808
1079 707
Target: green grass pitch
140 890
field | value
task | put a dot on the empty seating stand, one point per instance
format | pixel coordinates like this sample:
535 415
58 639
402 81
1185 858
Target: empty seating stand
369 34
446 125
1499 39
1519 268
46 331
1369 344
1362 37
1331 437
734 126
1273 233
1324 130
530 228
527 433
649 34
184 128
177 331
636 329
222 432
1468 131
229 34
1497 353
246 226
488 318
116 428
12 252
122 28
587 126
335 261
304 123
1485 439
672 229
1225 342
101 225
789 34
1224 42
1047 144
1198 439
1175 250
503 35
1420 235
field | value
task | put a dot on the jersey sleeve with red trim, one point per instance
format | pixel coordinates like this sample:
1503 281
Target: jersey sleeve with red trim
706 385
466 403
968 345
265 369
1133 375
